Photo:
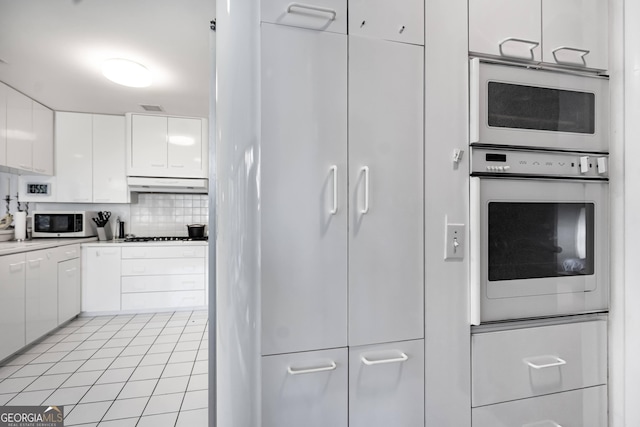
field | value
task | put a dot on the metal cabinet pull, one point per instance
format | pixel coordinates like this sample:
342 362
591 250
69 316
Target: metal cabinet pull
365 209
332 13
334 171
544 423
582 52
533 45
402 358
71 271
294 371
16 267
557 362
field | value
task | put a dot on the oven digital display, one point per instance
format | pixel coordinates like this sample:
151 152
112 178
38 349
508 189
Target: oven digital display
494 157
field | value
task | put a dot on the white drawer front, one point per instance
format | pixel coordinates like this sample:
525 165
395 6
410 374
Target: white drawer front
153 300
163 252
305 389
187 282
386 385
579 408
148 267
516 364
326 15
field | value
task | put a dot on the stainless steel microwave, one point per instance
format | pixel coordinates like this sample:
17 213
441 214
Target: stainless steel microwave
64 224
514 106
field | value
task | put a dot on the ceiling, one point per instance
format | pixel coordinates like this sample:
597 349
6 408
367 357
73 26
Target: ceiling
52 50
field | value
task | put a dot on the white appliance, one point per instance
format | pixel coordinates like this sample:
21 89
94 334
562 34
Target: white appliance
524 107
539 234
64 224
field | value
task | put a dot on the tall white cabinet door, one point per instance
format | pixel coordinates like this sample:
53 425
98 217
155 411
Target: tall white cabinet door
68 289
184 150
149 147
73 136
306 389
43 139
3 124
386 191
505 28
12 304
109 164
41 294
575 32
101 279
303 184
386 385
399 20
19 130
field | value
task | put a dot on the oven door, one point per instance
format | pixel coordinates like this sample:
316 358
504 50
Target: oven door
538 248
516 106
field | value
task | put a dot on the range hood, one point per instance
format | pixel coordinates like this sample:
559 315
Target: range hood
141 184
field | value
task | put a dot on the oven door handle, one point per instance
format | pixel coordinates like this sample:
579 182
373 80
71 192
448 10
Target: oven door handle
474 250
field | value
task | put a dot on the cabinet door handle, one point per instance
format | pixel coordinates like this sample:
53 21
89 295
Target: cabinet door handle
332 13
25 167
401 358
582 52
332 365
71 271
177 166
533 45
334 171
556 362
38 169
544 423
365 209
16 267
35 262
157 165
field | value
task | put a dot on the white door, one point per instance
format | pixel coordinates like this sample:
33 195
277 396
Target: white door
505 28
41 294
575 32
19 130
74 156
400 20
385 191
101 279
68 289
303 182
43 139
3 124
109 160
149 143
12 304
185 154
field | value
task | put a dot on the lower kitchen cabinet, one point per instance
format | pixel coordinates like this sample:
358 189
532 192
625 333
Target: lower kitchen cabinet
100 279
151 300
41 292
68 289
12 304
305 389
386 385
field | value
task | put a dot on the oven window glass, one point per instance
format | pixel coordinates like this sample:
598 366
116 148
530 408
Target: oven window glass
537 240
540 108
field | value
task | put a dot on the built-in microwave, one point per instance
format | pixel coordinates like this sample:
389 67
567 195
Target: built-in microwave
516 106
63 224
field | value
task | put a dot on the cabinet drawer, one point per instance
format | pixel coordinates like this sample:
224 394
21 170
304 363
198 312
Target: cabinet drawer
516 364
64 253
147 267
577 408
399 20
386 385
326 15
163 252
305 389
187 282
153 300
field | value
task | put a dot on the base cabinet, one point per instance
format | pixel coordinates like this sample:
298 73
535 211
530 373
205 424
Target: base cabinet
100 279
12 304
69 292
41 293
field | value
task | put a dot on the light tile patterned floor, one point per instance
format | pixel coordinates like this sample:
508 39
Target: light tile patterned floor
131 370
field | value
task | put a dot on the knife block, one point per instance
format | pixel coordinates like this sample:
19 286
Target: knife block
104 233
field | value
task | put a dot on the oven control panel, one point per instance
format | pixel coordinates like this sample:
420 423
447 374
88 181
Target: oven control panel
538 163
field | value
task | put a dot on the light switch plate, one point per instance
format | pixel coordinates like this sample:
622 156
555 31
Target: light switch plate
454 244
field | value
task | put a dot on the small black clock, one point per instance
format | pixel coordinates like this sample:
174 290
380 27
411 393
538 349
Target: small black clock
40 188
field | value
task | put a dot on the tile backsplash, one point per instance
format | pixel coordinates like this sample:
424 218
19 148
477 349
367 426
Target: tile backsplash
158 214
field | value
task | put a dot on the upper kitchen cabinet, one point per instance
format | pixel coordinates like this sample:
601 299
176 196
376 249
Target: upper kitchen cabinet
73 157
3 124
401 20
43 142
19 131
324 15
574 32
569 33
160 146
109 160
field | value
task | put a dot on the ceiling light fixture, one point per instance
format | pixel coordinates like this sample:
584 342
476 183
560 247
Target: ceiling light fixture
126 72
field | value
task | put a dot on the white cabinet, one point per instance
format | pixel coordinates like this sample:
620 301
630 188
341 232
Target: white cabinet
109 160
19 130
303 181
69 279
160 146
12 304
100 279
325 15
568 32
306 389
386 239
73 157
3 124
400 20
43 139
41 293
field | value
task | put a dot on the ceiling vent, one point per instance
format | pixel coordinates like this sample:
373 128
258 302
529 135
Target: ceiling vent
152 108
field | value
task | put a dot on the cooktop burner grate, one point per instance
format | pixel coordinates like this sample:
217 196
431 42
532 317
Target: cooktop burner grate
164 239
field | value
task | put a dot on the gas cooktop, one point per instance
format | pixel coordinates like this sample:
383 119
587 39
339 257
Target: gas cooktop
165 239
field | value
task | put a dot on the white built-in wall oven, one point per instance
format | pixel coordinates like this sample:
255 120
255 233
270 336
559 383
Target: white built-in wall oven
539 193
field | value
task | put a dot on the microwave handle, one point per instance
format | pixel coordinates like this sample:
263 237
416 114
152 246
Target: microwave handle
474 251
474 100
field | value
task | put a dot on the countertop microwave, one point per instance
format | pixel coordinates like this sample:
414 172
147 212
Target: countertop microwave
64 224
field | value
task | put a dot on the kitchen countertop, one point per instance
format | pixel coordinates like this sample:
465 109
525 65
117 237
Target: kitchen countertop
13 247
120 242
